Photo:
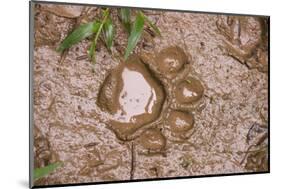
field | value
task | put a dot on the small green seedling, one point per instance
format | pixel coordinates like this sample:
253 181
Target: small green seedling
44 171
104 29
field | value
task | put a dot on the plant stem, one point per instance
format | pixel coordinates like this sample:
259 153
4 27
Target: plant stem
93 47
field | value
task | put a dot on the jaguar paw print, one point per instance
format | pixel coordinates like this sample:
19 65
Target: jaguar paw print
152 96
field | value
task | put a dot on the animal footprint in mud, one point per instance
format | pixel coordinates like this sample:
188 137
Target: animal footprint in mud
152 96
246 40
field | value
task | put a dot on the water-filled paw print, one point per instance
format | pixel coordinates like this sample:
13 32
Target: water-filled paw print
150 98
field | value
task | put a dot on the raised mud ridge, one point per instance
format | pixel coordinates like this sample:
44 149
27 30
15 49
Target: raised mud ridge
149 89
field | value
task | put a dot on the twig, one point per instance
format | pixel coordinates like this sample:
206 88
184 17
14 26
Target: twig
132 161
82 57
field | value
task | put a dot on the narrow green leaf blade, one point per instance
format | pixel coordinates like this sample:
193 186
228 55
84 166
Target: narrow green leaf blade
44 171
125 17
77 35
135 34
96 26
152 25
108 33
99 29
92 51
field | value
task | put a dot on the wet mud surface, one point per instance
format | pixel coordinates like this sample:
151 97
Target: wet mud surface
192 102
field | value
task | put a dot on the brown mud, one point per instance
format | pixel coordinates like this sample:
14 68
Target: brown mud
192 102
132 96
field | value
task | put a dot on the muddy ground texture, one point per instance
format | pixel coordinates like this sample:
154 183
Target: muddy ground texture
192 102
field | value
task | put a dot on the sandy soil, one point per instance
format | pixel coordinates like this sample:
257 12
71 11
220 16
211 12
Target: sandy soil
226 54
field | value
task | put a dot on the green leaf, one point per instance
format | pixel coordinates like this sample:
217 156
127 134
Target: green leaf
135 34
78 34
125 17
108 31
99 29
92 50
153 26
44 171
96 26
